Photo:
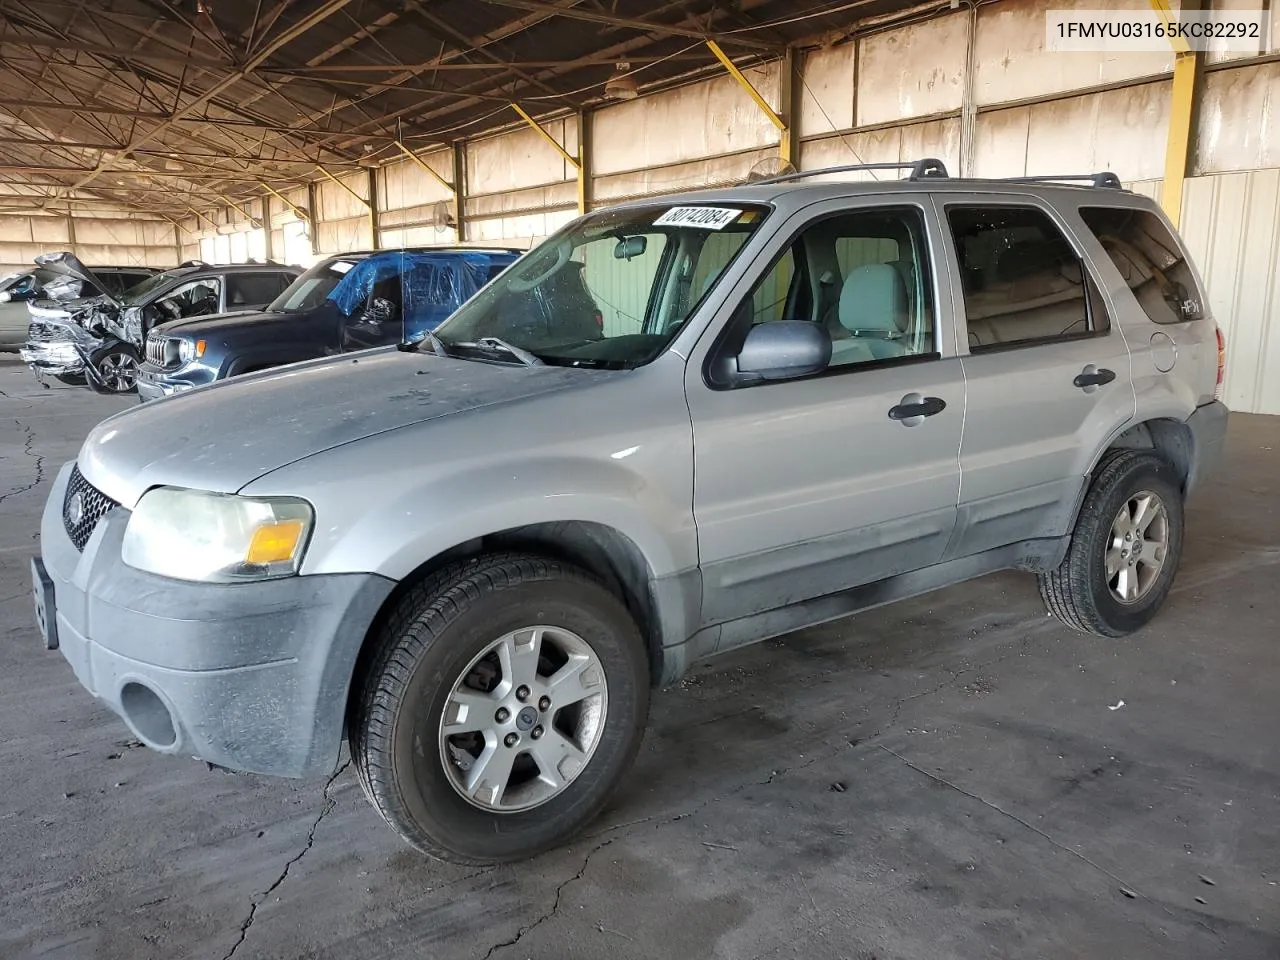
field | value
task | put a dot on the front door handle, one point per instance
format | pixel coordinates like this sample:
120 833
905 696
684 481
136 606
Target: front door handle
913 408
1092 377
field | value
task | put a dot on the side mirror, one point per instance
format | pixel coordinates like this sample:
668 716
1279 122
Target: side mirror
783 350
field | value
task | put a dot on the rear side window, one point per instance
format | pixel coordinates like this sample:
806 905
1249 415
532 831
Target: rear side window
1023 282
1150 261
254 289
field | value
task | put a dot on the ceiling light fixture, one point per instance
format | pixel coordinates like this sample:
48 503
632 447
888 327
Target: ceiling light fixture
621 86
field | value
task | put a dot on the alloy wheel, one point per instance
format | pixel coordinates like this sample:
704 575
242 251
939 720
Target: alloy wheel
523 719
119 371
1137 547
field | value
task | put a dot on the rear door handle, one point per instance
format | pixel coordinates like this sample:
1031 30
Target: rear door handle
1092 377
913 408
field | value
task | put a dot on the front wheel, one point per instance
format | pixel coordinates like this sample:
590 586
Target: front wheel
117 367
1125 548
506 700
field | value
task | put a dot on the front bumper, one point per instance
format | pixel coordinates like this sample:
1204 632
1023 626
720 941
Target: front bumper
252 676
56 357
155 382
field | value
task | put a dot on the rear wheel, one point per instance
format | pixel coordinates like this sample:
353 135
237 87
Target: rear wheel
506 700
1125 548
117 368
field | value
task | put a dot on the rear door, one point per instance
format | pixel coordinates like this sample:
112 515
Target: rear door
1048 373
254 290
810 486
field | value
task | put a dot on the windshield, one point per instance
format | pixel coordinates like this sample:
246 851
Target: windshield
312 288
139 291
610 290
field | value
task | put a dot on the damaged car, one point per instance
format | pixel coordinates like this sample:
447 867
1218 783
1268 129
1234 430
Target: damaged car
101 338
18 289
346 302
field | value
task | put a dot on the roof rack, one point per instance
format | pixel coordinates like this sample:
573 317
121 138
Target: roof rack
931 168
926 169
1104 178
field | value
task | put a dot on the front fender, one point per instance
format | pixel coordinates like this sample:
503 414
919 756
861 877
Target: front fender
388 504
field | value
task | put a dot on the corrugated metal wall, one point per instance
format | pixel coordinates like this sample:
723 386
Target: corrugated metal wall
114 241
975 87
1231 223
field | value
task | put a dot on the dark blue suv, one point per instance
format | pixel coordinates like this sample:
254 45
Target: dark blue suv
346 302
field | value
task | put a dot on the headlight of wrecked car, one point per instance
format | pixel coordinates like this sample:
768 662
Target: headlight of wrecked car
189 350
215 537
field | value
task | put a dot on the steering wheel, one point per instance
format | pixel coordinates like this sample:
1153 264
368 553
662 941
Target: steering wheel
524 283
171 308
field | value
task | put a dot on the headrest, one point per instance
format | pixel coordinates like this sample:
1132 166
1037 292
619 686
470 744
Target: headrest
874 298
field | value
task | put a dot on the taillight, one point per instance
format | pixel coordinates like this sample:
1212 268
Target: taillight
600 323
1222 363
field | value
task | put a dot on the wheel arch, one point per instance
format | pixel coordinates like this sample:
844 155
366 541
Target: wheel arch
1170 438
596 547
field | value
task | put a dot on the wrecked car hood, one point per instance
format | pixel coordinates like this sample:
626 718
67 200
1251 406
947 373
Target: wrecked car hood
68 265
227 435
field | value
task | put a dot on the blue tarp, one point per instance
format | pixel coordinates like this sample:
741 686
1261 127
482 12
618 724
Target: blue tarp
433 285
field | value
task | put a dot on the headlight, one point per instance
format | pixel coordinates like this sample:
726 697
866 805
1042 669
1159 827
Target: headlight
215 537
189 350
5 296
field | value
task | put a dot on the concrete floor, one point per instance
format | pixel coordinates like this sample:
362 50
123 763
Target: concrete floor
949 778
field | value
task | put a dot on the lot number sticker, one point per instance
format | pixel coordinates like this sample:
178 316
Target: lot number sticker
704 218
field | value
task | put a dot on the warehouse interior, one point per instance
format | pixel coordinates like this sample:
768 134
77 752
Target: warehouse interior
289 131
954 776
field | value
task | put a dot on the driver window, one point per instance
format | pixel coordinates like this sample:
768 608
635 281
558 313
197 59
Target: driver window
195 299
863 277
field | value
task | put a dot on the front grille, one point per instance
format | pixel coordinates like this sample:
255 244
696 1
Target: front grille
82 507
38 332
162 351
155 351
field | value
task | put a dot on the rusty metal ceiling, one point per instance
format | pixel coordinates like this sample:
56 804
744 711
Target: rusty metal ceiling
173 105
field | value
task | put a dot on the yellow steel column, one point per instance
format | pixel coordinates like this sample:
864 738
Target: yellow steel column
584 161
1182 114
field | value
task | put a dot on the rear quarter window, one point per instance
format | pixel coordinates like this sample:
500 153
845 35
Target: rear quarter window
1150 261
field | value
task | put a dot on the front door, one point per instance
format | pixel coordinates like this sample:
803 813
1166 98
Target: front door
1048 375
806 487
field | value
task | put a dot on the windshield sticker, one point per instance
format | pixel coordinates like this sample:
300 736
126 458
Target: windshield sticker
704 218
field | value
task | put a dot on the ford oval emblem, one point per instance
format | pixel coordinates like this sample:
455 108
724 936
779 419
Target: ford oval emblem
75 510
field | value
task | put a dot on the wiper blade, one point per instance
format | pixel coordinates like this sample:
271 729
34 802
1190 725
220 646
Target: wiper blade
415 346
524 356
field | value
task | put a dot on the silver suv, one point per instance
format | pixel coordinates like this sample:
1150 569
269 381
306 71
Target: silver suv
473 556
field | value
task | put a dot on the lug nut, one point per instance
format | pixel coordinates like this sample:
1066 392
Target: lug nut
544 704
522 693
503 715
511 740
536 733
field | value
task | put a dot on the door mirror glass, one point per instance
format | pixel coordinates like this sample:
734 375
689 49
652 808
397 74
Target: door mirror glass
783 350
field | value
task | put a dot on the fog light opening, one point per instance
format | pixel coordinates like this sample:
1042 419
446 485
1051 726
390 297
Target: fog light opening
147 716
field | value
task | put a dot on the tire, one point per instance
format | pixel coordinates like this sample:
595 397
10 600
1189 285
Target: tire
431 645
1081 592
117 368
71 379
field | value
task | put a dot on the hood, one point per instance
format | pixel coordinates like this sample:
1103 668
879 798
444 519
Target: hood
225 436
69 265
214 325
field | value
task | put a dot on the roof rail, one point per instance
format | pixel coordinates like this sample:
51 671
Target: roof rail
926 169
1104 178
